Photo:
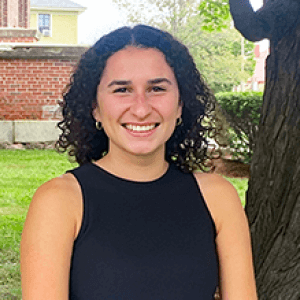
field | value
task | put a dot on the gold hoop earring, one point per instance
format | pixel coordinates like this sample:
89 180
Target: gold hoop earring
179 121
99 126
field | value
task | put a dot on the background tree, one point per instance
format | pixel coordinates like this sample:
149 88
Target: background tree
273 197
218 57
217 54
165 14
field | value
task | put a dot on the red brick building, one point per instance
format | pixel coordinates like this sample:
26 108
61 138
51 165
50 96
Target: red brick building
259 76
32 76
32 79
14 13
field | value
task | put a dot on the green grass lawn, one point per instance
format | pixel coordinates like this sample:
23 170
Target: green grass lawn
22 172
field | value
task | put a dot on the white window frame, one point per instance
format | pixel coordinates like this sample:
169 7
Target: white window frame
51 24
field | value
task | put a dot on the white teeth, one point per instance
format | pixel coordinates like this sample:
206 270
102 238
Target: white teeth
139 128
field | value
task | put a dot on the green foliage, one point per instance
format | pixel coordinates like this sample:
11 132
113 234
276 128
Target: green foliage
242 112
216 14
165 14
219 61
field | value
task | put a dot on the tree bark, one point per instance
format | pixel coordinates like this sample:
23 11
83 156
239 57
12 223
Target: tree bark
273 196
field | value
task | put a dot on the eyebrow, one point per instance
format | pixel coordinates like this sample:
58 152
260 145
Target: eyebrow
119 82
127 82
159 80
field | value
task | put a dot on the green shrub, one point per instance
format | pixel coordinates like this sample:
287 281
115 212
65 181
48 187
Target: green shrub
242 112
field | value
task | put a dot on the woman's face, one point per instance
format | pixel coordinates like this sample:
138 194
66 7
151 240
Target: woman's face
138 101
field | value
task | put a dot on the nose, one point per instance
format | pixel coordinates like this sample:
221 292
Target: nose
141 107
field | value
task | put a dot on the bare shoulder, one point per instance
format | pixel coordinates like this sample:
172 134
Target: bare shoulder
220 196
63 183
213 181
58 198
233 237
64 189
51 226
217 189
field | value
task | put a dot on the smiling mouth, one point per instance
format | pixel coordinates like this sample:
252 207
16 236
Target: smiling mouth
140 128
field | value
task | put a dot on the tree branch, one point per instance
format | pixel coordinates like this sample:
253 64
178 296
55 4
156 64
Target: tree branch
272 21
248 22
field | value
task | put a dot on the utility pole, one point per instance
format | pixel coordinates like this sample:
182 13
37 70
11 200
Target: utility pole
174 19
243 62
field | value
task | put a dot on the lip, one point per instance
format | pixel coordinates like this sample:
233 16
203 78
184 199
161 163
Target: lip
141 133
140 124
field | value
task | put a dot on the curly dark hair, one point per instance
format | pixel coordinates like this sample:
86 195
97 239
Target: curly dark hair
188 145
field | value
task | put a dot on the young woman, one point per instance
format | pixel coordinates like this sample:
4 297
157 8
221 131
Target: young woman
136 221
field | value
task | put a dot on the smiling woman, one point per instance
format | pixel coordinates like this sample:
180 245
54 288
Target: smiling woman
173 70
138 110
135 220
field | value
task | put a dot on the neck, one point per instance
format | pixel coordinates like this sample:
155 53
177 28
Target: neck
134 167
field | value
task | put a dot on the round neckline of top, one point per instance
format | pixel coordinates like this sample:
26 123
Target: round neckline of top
129 180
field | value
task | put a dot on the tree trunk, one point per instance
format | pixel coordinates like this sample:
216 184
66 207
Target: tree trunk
273 197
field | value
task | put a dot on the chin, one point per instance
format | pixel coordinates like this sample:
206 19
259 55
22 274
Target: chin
142 153
145 151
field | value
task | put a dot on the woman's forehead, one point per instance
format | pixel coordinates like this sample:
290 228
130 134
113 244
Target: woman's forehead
135 53
133 61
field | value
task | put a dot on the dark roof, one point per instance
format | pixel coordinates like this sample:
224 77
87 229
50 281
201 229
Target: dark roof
55 3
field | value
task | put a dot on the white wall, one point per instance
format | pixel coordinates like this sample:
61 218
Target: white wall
24 131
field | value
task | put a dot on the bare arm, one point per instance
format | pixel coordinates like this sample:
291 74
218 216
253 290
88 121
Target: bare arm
233 238
51 226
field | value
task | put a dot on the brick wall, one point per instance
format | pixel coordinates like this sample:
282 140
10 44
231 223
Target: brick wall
3 13
24 7
14 13
30 88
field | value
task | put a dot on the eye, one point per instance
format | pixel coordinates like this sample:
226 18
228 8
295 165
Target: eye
157 89
121 90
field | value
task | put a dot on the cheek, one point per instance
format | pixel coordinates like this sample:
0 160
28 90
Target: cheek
171 110
110 110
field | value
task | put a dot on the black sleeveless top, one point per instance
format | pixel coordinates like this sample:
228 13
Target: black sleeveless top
143 240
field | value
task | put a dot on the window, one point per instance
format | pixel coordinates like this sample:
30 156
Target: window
44 23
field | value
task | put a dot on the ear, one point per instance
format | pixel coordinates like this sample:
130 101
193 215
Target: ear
179 111
96 112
